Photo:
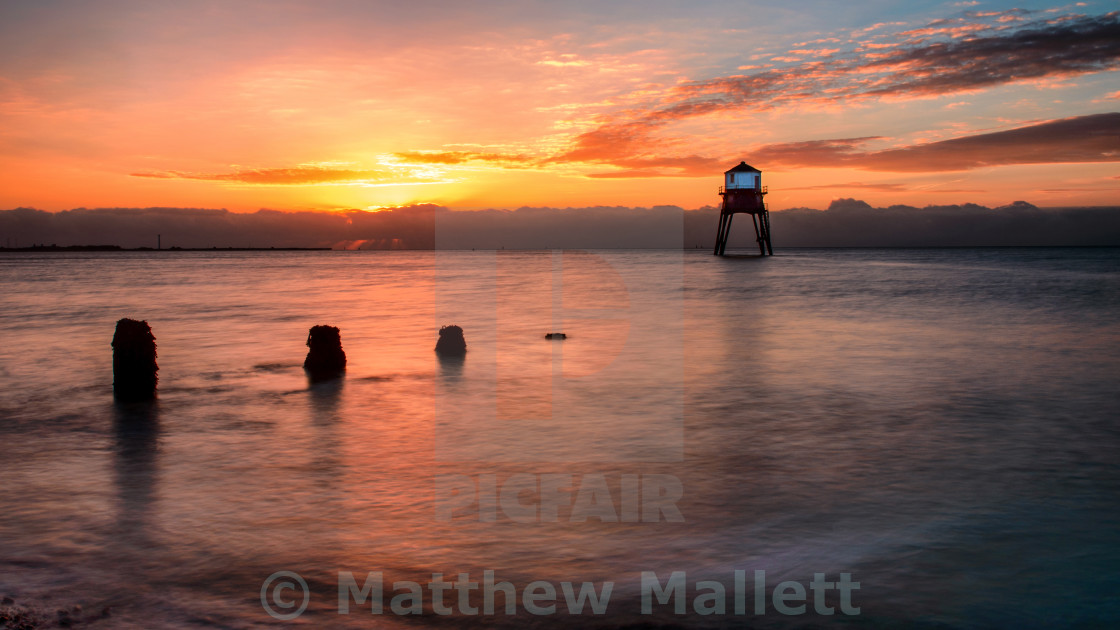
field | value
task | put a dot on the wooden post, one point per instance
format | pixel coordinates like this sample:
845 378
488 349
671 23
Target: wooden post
451 342
134 361
325 359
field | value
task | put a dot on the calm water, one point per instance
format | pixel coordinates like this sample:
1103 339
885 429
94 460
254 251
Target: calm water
940 424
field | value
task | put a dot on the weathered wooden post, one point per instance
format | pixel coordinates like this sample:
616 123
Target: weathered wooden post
134 361
451 342
325 359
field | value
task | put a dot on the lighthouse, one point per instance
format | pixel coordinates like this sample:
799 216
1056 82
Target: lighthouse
743 193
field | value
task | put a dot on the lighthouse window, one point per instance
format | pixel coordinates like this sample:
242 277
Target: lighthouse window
742 180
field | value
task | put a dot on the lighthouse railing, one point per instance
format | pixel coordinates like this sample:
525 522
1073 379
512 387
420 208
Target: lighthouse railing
762 190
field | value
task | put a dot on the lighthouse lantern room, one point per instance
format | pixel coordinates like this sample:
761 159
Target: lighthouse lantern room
742 176
743 192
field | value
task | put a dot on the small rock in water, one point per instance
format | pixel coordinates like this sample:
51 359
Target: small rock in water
7 601
451 341
556 336
20 617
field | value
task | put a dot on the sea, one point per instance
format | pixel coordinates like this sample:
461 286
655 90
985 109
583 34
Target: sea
856 438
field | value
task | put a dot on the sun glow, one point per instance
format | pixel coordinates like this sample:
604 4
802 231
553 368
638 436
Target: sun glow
535 111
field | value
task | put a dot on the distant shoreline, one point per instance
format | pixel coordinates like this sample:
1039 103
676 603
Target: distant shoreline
118 248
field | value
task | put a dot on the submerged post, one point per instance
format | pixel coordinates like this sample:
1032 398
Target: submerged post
134 361
325 359
451 342
743 192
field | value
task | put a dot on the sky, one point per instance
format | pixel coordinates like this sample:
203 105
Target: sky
334 105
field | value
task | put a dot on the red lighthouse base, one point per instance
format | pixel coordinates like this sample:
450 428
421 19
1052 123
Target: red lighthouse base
745 201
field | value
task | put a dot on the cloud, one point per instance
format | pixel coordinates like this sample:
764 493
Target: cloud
1065 49
407 227
460 157
884 187
836 152
973 52
296 176
1079 190
689 166
1094 138
854 223
846 223
857 185
921 68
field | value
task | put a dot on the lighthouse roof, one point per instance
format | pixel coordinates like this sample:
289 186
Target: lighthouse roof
743 167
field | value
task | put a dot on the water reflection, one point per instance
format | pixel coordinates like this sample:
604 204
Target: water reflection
325 404
841 415
451 368
136 465
325 398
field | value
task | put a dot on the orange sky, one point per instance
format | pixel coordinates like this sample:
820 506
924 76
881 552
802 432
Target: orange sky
328 105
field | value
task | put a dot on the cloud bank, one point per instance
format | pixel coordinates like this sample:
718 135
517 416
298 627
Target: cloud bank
1093 138
644 135
854 223
846 223
976 51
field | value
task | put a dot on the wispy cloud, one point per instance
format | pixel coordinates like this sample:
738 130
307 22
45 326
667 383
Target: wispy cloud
461 157
976 51
1093 138
1063 49
884 187
688 166
297 176
641 135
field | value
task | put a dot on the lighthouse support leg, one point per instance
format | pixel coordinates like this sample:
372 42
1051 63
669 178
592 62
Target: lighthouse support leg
756 221
726 235
719 234
765 219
